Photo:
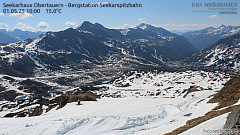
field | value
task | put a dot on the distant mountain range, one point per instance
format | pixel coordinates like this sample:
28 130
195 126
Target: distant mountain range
16 35
223 54
5 38
180 32
92 46
202 39
146 65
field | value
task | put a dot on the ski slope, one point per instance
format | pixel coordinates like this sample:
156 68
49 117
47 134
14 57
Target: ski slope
130 114
110 116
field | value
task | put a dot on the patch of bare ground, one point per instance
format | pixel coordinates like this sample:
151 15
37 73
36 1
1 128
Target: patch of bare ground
62 100
226 98
228 95
192 89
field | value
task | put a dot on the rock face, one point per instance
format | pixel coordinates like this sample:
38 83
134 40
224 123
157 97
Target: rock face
233 119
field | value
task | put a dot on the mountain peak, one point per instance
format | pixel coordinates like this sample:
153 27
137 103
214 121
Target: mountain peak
222 26
85 24
16 30
3 30
143 26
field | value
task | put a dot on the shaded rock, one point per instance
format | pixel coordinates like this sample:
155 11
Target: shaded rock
233 119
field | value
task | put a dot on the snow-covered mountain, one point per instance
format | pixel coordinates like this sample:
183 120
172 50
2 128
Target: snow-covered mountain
202 39
223 54
157 42
146 41
56 77
92 46
63 50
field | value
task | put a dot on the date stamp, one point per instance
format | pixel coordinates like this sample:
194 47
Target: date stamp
53 8
28 10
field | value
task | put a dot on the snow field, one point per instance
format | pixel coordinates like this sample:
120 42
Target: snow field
110 116
130 113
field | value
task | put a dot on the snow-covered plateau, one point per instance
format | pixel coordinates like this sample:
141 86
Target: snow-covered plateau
142 103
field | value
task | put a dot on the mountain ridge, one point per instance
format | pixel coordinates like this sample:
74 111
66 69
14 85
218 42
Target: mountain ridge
203 38
17 35
92 45
223 54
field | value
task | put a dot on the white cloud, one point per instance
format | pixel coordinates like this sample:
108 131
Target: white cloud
124 26
214 17
103 3
141 20
1 14
21 15
173 26
3 26
43 25
185 26
24 27
71 24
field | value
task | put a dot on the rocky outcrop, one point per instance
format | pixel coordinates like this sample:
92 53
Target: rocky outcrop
233 120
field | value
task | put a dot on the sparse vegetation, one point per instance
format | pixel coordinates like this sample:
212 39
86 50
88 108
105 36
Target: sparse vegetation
226 97
37 88
8 95
196 121
60 101
68 98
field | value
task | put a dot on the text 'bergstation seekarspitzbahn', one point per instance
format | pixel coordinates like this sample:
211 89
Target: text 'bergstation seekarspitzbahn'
58 8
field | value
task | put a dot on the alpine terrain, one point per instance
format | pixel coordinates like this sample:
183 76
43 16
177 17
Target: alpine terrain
202 39
92 46
94 80
223 54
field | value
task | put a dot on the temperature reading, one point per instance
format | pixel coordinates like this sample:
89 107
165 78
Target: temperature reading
56 10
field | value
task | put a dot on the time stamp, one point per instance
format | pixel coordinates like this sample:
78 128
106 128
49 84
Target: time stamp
48 10
52 8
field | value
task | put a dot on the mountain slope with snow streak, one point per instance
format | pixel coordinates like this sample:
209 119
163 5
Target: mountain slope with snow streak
222 55
206 37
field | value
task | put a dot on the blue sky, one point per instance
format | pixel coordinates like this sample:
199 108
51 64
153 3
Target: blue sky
169 14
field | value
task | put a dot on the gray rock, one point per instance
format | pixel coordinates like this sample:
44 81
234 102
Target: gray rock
233 119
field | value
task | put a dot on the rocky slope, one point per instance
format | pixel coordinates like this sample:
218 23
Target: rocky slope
224 55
